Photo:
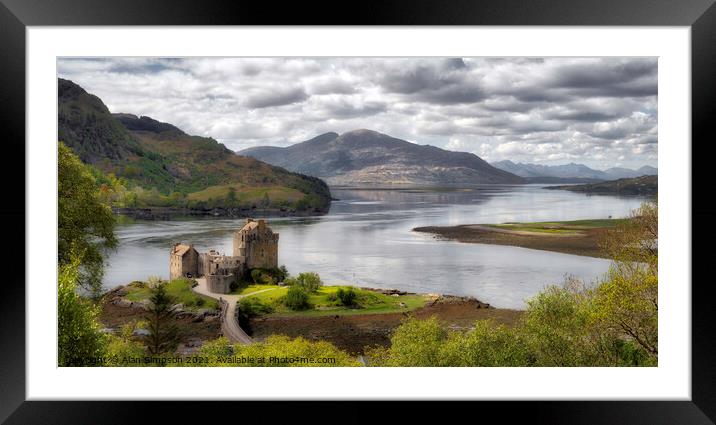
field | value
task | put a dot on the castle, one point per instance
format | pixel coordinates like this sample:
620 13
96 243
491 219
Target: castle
255 247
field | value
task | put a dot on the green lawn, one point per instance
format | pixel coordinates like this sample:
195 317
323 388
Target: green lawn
180 290
368 302
251 288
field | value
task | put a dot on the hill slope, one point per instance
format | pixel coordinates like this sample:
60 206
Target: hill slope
365 156
642 186
189 171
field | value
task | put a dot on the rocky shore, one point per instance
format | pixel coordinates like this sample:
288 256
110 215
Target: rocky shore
197 326
355 333
352 333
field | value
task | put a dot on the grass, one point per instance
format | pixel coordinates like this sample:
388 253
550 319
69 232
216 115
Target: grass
179 290
323 303
251 288
570 228
247 195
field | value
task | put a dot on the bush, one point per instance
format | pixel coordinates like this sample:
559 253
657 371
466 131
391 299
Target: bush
296 298
309 280
252 307
347 296
260 276
80 340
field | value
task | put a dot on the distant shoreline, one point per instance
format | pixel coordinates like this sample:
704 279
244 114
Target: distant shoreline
168 213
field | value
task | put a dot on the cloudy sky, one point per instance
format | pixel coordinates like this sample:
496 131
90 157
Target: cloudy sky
598 111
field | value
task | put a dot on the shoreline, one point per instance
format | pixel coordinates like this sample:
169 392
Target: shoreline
583 242
168 213
355 333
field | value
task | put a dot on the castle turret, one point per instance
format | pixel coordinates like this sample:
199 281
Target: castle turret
257 244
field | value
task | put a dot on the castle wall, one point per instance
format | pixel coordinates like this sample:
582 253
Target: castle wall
180 265
258 244
190 263
218 283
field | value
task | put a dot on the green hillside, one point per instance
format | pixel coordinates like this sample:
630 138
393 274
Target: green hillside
143 162
637 186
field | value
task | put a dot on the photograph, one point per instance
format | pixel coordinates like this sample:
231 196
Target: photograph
357 211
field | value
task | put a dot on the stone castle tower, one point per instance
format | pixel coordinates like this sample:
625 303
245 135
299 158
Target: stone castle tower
257 244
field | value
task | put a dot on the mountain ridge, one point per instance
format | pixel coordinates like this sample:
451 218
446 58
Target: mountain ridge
162 166
367 156
572 171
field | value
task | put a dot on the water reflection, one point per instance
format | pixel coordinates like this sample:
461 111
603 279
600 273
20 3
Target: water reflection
366 239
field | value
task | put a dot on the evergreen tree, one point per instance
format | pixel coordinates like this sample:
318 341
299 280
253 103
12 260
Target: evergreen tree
163 332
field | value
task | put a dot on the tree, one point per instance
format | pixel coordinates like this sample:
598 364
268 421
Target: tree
347 296
627 302
311 281
80 341
417 343
231 200
296 298
163 332
85 222
276 350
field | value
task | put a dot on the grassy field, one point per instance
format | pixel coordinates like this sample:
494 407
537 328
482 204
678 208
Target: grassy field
248 195
572 228
323 303
247 289
180 290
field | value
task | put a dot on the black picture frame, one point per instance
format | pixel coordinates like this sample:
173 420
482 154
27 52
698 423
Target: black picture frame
699 15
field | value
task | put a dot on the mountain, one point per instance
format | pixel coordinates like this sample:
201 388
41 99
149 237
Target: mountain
366 156
623 173
642 186
164 166
572 171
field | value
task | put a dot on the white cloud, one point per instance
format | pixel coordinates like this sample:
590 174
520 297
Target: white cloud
591 110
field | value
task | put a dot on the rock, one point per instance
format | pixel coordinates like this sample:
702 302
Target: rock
140 332
178 307
123 302
107 330
144 304
403 305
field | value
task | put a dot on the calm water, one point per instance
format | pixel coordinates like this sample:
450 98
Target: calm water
366 240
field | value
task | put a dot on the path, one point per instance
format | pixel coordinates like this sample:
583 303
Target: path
230 326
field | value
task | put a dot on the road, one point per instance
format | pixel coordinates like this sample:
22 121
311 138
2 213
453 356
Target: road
230 326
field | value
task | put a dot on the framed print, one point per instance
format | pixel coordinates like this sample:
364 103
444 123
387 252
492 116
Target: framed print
417 201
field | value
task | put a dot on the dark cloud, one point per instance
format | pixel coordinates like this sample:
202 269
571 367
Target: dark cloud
276 97
586 116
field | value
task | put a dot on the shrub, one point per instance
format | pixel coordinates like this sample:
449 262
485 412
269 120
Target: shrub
80 340
347 296
252 306
260 276
296 298
309 280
